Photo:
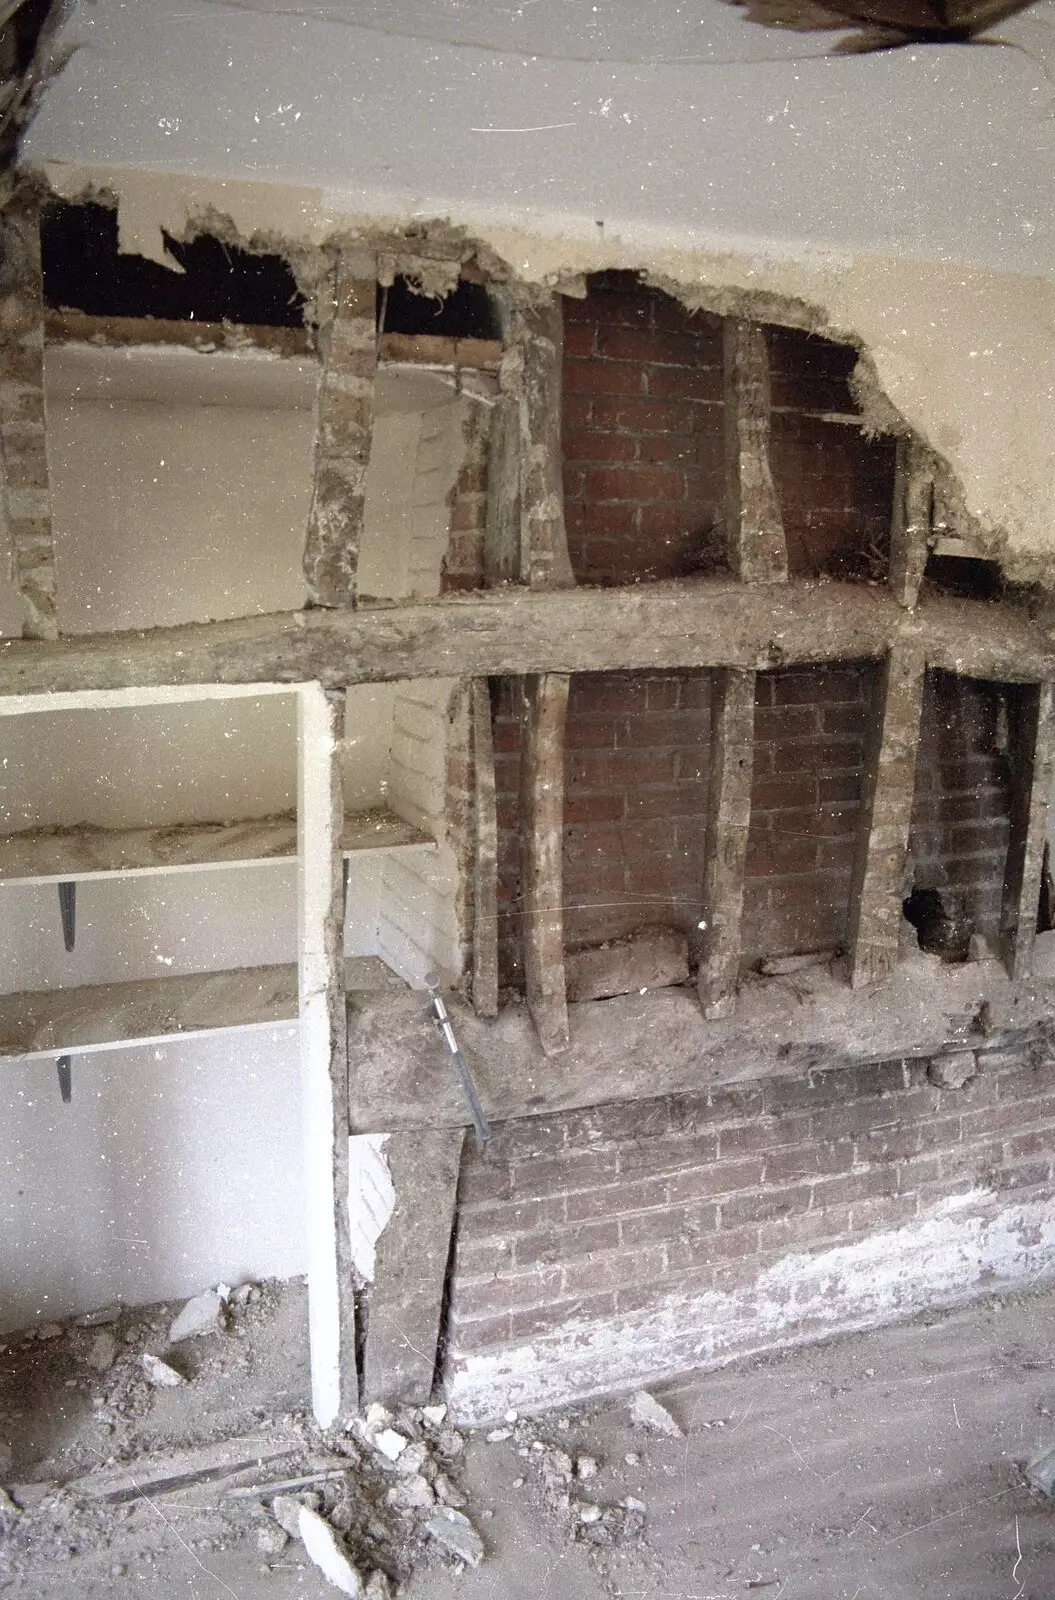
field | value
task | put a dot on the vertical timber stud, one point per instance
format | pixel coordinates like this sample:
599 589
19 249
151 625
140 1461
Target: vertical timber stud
889 784
485 862
911 520
754 530
542 854
728 820
324 1054
1031 749
344 417
526 538
23 452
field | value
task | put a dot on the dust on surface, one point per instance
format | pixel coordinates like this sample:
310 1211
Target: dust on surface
876 1467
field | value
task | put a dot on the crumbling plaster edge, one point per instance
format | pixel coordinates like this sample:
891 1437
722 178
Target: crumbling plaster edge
962 356
962 1247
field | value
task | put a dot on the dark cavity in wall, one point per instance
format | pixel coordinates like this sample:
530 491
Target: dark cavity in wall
83 271
465 313
959 835
967 576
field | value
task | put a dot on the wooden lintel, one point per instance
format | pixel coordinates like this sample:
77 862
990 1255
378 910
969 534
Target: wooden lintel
542 853
1031 750
911 520
692 623
728 820
485 857
432 350
343 435
754 529
889 783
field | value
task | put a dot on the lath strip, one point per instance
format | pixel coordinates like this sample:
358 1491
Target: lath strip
542 851
728 820
889 783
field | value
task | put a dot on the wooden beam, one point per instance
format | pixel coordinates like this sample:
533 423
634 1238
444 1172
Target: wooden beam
754 529
911 520
485 858
344 429
542 854
703 622
324 1055
1031 752
728 820
26 490
888 786
410 1269
431 350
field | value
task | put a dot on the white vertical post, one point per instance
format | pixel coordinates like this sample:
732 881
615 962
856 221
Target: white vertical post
323 1055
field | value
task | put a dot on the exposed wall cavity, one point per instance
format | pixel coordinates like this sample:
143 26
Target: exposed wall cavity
963 356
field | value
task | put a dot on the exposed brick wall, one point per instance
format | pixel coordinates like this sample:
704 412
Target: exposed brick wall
960 816
642 434
592 1217
635 798
810 730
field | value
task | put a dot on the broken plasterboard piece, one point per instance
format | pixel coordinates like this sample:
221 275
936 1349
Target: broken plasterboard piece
456 1533
320 1542
371 1199
203 1314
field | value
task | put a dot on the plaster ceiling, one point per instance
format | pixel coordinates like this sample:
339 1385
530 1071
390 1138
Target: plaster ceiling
678 117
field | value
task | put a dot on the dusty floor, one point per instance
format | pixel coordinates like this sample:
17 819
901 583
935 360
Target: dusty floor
881 1467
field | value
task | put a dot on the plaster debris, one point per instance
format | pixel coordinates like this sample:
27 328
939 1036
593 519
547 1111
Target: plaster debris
954 1069
9 1512
411 1494
50 1330
645 1412
586 1467
497 1435
104 1317
271 1540
590 1513
377 1587
286 1509
456 1533
320 1542
390 1443
1040 1472
433 1416
631 1503
103 1352
784 966
202 1315
242 1295
159 1373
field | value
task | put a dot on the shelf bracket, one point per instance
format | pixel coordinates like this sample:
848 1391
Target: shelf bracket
68 913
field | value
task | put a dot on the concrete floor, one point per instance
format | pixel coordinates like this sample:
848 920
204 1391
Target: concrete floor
880 1467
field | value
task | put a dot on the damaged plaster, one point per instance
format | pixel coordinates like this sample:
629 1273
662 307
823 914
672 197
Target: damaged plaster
942 1258
962 355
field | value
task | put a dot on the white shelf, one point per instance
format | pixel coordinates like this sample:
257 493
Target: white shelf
58 855
114 1016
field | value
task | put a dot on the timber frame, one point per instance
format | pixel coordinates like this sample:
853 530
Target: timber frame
535 623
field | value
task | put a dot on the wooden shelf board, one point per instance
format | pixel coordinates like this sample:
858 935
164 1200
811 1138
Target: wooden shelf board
58 855
114 1016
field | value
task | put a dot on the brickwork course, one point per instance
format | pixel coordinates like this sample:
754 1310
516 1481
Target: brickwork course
595 1215
960 815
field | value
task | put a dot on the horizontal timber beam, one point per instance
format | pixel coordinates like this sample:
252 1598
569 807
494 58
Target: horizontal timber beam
693 623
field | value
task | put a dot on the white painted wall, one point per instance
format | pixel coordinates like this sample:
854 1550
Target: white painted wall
172 1168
